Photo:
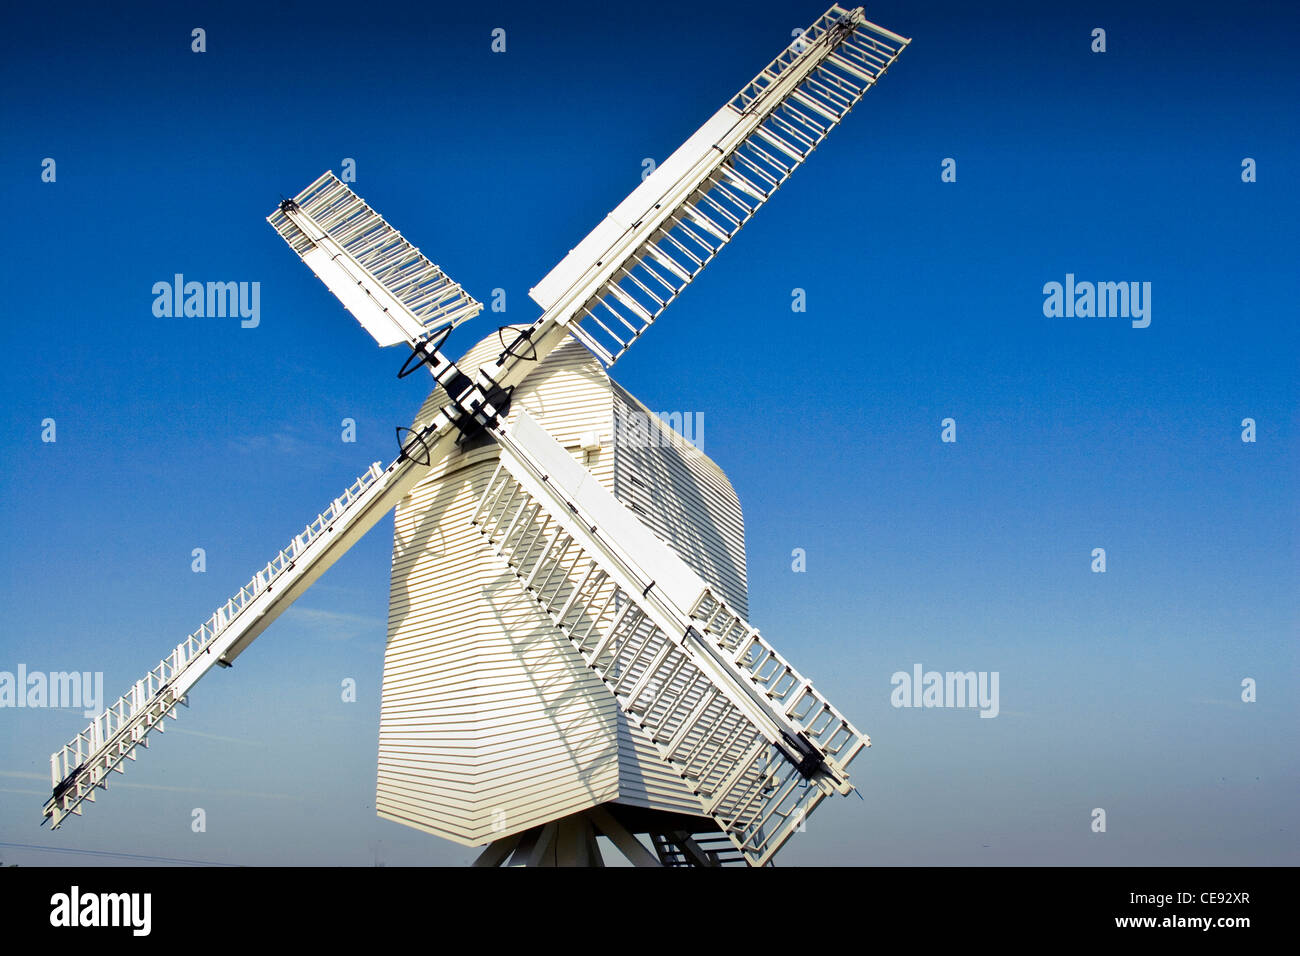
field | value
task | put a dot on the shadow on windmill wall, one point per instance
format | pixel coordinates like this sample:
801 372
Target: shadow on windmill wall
674 489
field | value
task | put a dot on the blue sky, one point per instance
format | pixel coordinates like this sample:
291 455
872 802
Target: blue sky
1118 690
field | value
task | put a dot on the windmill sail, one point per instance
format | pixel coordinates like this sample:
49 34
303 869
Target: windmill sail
617 281
753 738
82 765
391 288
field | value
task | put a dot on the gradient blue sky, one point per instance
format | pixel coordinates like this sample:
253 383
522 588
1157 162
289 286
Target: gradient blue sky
1118 691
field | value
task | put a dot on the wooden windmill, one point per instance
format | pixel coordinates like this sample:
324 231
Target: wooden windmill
568 651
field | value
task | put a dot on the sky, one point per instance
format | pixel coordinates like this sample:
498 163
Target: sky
1119 691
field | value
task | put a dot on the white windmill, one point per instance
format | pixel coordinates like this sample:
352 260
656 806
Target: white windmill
567 652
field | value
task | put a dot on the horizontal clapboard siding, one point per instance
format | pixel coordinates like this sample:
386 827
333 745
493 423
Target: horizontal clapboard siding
684 498
490 721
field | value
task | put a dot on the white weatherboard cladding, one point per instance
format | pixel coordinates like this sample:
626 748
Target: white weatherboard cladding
490 720
670 484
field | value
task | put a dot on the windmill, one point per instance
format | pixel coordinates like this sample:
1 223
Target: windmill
566 657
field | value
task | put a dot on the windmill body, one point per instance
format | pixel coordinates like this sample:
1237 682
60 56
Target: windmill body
491 721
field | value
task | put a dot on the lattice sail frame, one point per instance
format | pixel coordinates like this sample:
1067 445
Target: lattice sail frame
392 289
752 737
82 765
697 199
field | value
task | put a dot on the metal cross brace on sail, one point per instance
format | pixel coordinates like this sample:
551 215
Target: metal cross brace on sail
757 744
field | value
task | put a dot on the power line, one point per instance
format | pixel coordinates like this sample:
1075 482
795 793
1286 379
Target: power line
127 856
